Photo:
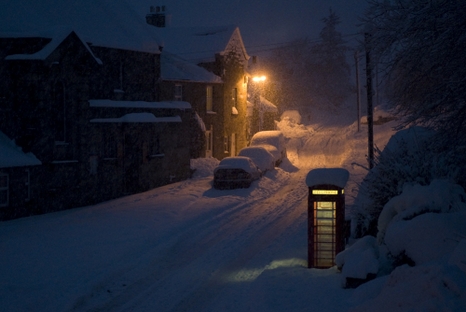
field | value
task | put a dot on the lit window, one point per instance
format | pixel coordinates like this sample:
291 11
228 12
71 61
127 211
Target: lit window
178 92
324 192
209 99
226 144
4 191
234 97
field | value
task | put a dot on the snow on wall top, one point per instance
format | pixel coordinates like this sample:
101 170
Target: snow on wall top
200 44
140 104
176 68
57 35
332 176
137 118
105 23
12 155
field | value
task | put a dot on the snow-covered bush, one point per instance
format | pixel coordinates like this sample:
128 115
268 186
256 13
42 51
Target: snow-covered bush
441 196
203 167
293 116
360 261
423 226
411 156
425 222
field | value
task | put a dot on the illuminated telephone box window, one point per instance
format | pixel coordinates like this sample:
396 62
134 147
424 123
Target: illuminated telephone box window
326 215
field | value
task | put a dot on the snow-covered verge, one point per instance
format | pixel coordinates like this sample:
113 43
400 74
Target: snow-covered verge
419 255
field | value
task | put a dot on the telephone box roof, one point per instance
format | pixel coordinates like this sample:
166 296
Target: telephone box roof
327 176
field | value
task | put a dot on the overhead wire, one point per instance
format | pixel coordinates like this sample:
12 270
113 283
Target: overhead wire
271 46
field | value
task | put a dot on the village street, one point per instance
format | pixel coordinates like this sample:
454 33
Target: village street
184 246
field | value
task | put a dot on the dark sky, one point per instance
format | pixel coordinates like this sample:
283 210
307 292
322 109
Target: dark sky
263 23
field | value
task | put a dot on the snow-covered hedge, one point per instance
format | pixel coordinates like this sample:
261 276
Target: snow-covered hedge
420 250
411 156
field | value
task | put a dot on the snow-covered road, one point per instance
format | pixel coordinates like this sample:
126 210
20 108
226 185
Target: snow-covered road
184 246
197 258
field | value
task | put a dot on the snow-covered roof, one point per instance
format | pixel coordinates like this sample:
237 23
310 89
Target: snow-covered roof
267 106
175 68
331 176
56 34
200 122
200 44
104 23
12 155
140 104
137 118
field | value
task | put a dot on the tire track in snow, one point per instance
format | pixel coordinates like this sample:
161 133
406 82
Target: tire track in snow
226 231
287 207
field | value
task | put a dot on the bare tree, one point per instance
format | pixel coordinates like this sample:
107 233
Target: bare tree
420 45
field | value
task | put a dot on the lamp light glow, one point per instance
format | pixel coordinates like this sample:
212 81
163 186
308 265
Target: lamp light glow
259 78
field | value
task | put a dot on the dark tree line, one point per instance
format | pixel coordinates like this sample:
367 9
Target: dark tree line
313 73
420 46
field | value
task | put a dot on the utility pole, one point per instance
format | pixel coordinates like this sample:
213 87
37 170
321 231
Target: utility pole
358 97
370 112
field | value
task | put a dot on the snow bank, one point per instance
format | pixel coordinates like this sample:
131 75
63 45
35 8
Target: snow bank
428 237
439 196
203 167
424 288
426 224
359 260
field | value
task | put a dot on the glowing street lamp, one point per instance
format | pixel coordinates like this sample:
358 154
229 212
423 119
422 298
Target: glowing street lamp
259 78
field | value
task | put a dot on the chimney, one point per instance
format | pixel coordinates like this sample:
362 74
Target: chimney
156 17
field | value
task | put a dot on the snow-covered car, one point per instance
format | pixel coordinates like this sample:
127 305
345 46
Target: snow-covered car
260 156
273 141
235 172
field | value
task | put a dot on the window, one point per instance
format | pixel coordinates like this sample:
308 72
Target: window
93 164
209 98
121 75
156 146
4 191
152 149
155 149
110 147
209 141
59 112
226 144
27 183
234 97
178 92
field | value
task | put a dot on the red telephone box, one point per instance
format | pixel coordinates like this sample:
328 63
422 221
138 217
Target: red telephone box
326 215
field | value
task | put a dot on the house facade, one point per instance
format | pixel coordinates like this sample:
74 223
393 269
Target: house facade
86 107
220 102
